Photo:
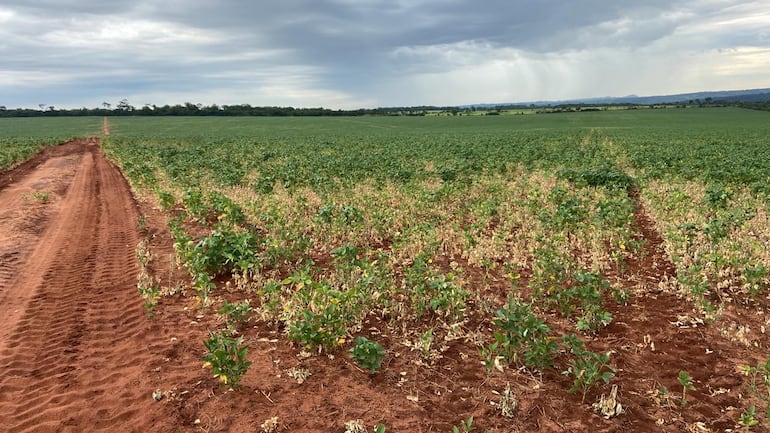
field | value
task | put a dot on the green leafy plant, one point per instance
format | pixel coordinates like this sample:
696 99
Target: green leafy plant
466 425
717 195
433 291
687 384
748 418
225 209
522 339
550 273
166 200
757 279
227 358
226 249
322 326
235 314
602 173
367 353
586 367
321 315
585 295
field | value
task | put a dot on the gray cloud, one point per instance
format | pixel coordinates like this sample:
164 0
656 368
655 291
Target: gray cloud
350 53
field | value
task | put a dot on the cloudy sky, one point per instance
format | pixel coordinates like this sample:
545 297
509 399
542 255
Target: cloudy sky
370 53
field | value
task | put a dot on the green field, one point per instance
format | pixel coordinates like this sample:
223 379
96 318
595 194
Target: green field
519 238
458 188
22 137
710 144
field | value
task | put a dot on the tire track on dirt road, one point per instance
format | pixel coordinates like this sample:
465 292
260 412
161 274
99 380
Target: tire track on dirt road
75 346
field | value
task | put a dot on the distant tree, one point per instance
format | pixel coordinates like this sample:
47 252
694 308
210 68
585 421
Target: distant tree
106 105
3 108
123 105
42 107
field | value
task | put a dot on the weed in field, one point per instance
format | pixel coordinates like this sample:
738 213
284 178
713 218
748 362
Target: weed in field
601 173
38 196
717 195
550 272
41 196
300 374
584 297
756 279
150 295
748 418
227 358
319 315
226 249
324 328
466 426
662 397
367 353
687 384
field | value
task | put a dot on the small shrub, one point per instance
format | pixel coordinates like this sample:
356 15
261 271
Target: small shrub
227 358
522 339
368 354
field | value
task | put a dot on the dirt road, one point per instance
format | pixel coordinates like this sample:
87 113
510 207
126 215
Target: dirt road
74 342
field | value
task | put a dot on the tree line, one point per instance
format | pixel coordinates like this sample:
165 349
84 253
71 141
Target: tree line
123 108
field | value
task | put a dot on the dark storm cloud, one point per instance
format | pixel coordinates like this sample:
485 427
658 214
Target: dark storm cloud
368 52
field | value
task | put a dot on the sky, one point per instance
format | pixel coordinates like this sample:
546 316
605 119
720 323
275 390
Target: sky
347 54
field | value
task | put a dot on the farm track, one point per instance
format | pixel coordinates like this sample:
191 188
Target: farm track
74 342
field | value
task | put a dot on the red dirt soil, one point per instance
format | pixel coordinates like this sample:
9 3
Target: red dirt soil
78 352
74 343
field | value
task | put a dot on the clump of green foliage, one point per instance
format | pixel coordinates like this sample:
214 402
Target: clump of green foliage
226 356
367 353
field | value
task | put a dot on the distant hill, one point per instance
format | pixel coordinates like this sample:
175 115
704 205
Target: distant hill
751 95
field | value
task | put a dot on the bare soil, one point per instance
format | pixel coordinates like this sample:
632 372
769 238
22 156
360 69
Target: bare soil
78 353
75 346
